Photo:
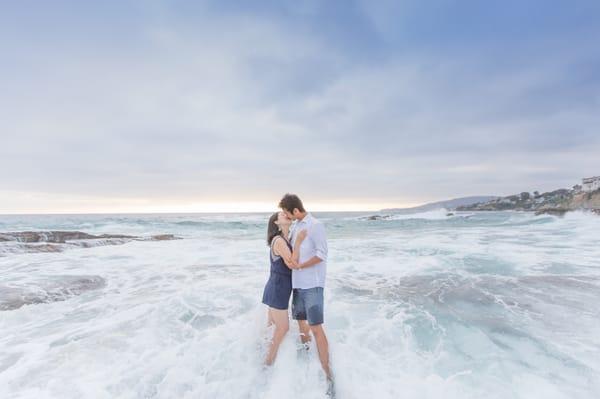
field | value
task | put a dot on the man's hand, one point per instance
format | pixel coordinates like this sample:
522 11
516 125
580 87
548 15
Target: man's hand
296 253
311 262
302 235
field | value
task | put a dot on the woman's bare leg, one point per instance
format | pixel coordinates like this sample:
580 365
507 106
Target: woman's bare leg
282 325
270 320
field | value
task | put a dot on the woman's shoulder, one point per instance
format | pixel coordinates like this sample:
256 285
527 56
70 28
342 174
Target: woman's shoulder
279 241
274 243
274 240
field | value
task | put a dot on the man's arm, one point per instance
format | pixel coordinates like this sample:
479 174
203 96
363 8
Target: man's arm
311 262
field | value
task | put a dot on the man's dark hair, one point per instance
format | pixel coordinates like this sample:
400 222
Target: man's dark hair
291 201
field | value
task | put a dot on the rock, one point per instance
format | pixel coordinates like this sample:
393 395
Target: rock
552 211
56 288
44 248
56 241
62 237
58 237
164 237
373 217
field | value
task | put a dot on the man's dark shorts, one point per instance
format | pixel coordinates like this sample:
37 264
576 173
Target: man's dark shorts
307 304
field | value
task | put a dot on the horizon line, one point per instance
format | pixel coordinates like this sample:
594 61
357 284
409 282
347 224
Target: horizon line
321 208
176 213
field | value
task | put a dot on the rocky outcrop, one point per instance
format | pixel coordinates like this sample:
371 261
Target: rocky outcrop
57 237
57 241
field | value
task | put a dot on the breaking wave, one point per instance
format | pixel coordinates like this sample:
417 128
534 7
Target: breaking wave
429 305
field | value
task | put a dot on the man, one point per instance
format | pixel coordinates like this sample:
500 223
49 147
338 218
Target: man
308 279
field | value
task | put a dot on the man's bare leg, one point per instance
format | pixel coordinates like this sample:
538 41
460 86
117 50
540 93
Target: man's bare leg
323 347
304 331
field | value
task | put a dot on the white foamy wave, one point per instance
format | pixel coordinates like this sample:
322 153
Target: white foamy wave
583 216
435 214
495 305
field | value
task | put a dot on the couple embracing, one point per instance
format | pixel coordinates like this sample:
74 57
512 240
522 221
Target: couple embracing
298 268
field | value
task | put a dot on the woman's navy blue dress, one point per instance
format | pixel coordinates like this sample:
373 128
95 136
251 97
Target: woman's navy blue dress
279 287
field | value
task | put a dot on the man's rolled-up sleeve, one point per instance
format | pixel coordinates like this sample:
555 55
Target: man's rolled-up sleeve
320 240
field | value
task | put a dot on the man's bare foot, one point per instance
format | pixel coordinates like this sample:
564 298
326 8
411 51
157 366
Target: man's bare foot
330 388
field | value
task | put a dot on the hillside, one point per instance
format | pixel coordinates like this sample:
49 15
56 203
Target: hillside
447 204
555 202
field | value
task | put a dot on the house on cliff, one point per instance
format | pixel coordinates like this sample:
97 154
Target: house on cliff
589 184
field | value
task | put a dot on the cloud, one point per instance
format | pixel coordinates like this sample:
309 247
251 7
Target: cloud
222 102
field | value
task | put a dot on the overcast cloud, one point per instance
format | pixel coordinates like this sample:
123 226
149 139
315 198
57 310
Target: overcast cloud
365 102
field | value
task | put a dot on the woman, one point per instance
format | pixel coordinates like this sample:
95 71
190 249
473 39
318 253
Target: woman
279 287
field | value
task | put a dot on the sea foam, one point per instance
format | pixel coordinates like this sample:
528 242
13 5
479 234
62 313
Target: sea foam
495 305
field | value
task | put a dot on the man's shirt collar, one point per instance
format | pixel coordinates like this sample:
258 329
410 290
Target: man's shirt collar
306 218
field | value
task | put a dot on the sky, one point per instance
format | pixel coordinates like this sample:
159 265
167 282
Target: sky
194 106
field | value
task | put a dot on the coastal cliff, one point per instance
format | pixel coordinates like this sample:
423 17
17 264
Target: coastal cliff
553 202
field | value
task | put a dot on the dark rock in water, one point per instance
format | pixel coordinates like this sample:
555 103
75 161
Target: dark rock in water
58 288
58 237
449 214
164 237
376 217
44 248
552 211
56 241
11 247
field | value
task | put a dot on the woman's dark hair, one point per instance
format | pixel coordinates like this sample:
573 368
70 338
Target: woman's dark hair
291 201
272 229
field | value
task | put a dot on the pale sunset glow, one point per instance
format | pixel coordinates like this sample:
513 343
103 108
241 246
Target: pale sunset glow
42 203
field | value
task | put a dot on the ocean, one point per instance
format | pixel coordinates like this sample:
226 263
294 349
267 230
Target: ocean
428 305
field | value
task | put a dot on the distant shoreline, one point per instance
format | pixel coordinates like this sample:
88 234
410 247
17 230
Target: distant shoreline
557 202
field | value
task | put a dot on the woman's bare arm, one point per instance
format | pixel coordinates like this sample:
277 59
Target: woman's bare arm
281 249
